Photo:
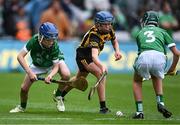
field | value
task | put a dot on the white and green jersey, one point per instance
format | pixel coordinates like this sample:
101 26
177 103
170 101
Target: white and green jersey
153 38
42 57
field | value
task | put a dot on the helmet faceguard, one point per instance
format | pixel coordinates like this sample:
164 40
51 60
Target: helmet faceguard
150 18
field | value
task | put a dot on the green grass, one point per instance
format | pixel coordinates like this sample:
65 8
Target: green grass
41 109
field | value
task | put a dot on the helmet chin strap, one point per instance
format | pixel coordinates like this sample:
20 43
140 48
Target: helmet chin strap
40 41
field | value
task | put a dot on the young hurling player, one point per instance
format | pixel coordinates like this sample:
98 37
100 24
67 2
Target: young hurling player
46 58
88 51
151 61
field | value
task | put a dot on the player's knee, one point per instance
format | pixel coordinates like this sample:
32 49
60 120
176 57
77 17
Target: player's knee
98 75
66 76
138 79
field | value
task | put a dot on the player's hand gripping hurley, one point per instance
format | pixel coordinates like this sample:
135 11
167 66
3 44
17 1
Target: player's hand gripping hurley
93 89
80 83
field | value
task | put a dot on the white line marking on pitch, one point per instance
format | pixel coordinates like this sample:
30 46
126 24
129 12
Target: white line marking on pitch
100 119
36 118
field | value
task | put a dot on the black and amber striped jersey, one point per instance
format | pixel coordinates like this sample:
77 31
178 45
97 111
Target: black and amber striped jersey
94 39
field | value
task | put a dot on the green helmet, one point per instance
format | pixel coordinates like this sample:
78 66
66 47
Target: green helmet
150 17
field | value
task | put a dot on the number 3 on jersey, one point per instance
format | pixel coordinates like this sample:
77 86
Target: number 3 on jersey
150 36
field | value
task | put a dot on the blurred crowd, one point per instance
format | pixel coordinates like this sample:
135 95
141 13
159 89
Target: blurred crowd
20 19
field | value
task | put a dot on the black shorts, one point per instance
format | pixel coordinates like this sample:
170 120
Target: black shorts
83 55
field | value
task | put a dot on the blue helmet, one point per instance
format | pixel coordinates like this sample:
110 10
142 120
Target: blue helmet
48 30
103 17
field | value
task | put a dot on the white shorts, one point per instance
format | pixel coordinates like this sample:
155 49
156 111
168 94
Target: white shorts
150 63
40 70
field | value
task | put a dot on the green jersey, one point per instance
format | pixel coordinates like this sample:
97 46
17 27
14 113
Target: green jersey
153 38
42 57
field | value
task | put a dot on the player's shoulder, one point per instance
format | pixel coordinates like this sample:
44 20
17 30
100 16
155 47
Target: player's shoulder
34 38
56 44
56 48
93 30
93 33
161 30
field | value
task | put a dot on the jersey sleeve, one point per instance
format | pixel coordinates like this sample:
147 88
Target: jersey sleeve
168 40
138 44
29 44
94 40
61 56
57 54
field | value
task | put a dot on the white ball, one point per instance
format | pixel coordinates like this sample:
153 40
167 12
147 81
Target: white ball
119 113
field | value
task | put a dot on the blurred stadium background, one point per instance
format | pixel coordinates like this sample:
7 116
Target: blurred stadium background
20 19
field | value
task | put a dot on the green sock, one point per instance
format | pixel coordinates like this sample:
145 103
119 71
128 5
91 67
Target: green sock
23 104
58 92
159 99
139 106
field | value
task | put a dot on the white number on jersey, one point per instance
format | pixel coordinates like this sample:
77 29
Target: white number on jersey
150 36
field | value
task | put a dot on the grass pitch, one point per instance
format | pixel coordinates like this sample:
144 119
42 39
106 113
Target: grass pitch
79 110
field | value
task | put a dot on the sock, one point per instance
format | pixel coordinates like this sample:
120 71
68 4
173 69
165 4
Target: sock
139 106
23 104
58 92
159 99
102 104
63 93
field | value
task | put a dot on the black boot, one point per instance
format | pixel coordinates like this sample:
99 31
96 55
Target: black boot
104 110
164 111
138 116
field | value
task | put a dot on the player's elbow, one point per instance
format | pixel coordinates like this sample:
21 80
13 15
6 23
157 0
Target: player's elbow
18 57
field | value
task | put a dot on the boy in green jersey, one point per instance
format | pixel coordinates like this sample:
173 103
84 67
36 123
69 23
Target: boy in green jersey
46 58
151 61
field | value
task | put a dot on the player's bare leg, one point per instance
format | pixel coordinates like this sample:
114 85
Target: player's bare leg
58 95
137 90
25 89
64 73
23 96
96 71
